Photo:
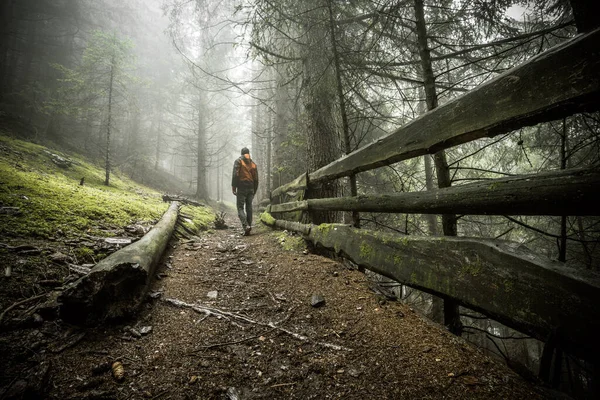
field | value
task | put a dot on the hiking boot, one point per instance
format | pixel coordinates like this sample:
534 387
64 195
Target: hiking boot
247 230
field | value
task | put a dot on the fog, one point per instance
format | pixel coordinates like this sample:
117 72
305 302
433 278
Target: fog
167 92
171 73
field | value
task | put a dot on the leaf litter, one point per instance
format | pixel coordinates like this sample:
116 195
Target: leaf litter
259 338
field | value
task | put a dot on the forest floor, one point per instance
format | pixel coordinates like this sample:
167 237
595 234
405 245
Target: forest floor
230 317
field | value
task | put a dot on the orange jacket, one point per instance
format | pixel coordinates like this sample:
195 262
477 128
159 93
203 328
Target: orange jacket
245 173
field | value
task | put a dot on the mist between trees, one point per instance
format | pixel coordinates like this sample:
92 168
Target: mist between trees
169 91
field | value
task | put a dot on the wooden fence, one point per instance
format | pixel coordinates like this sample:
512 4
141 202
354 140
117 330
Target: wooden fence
537 296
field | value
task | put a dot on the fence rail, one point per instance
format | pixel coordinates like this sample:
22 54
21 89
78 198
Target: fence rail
557 83
518 288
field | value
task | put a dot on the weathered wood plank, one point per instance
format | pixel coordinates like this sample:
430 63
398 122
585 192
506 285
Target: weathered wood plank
568 192
282 224
300 183
292 206
117 285
559 82
518 288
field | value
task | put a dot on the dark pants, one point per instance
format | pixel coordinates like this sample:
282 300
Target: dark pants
244 199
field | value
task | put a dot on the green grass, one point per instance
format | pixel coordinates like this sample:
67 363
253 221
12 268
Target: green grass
51 200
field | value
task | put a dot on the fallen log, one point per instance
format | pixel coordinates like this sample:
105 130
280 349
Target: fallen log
117 285
182 200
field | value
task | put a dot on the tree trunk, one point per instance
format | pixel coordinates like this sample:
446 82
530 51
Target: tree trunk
269 143
8 19
319 82
562 246
451 312
158 139
201 190
108 132
280 124
256 148
342 105
429 183
133 141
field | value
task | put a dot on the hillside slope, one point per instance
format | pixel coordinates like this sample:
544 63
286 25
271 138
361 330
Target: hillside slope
50 223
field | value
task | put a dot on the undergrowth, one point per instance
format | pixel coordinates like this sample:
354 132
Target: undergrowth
51 201
290 242
201 218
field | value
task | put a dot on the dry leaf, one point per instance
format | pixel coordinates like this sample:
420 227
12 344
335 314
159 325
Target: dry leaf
451 374
193 379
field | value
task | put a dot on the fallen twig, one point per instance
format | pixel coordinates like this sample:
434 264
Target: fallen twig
276 299
228 315
18 303
283 384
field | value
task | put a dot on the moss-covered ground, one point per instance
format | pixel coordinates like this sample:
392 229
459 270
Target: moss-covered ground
290 241
44 207
51 201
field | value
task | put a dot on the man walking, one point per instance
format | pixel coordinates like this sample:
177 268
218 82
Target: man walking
244 182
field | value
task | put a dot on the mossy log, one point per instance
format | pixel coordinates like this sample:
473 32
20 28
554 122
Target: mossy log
268 220
527 292
516 287
117 285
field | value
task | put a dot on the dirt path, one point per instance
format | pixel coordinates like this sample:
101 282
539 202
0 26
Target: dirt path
255 335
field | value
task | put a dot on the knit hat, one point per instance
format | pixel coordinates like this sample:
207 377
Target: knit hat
245 151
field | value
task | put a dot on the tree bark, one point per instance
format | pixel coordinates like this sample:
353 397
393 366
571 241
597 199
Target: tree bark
431 219
158 143
319 82
342 104
108 131
562 247
117 285
201 164
269 166
449 225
